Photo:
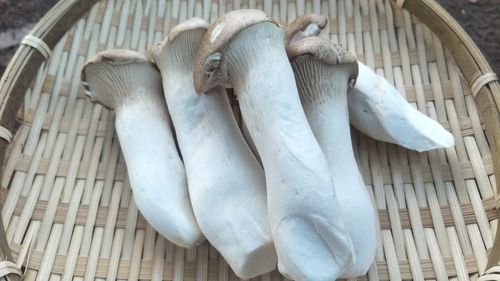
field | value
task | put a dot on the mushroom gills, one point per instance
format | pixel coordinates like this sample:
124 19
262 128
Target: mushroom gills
226 182
128 83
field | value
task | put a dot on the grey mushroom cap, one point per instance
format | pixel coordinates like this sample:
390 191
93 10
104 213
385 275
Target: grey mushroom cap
324 51
302 23
192 25
207 74
109 75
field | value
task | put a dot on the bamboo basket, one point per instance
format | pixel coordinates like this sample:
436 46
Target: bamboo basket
67 208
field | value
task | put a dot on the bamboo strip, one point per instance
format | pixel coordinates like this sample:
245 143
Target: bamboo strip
190 267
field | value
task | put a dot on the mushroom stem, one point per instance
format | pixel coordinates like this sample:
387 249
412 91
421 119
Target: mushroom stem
323 89
126 82
378 110
226 183
310 235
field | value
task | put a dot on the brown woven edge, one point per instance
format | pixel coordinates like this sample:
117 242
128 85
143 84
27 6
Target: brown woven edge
20 72
26 61
473 66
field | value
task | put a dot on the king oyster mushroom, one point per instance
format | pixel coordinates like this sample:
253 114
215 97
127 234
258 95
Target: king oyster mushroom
378 110
128 83
324 72
244 50
375 106
226 183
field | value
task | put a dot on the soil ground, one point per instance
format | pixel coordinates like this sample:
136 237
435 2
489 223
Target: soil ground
481 20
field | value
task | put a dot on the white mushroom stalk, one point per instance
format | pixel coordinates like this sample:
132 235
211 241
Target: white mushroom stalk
324 73
128 83
378 110
226 183
375 107
244 50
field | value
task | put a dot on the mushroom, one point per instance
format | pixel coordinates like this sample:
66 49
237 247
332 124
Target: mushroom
378 110
128 83
226 183
375 106
244 50
324 72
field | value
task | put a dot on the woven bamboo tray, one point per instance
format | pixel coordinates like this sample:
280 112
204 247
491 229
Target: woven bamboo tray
67 208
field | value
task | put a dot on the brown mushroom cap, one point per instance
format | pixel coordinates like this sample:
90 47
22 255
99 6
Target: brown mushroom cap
302 22
218 35
193 24
114 57
324 51
105 85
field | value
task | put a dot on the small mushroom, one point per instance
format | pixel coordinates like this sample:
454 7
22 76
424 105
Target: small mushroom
324 73
128 83
226 183
245 50
375 106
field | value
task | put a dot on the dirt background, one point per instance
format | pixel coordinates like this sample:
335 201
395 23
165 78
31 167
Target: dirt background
480 19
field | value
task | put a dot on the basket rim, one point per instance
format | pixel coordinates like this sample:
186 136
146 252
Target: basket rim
476 70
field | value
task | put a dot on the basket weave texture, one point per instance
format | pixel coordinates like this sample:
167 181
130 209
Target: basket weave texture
68 210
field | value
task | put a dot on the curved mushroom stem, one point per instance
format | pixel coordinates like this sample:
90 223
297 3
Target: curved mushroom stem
226 183
378 110
309 232
323 90
126 82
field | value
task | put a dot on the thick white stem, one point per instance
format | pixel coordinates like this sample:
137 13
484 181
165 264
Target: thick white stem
310 235
379 111
155 170
226 183
324 98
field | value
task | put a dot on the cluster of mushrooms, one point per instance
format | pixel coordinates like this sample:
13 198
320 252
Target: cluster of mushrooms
282 187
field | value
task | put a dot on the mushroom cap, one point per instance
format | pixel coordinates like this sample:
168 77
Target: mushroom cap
193 24
114 57
324 51
189 25
218 35
302 22
97 74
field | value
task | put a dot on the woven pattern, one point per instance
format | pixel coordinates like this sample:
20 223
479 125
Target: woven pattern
68 209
